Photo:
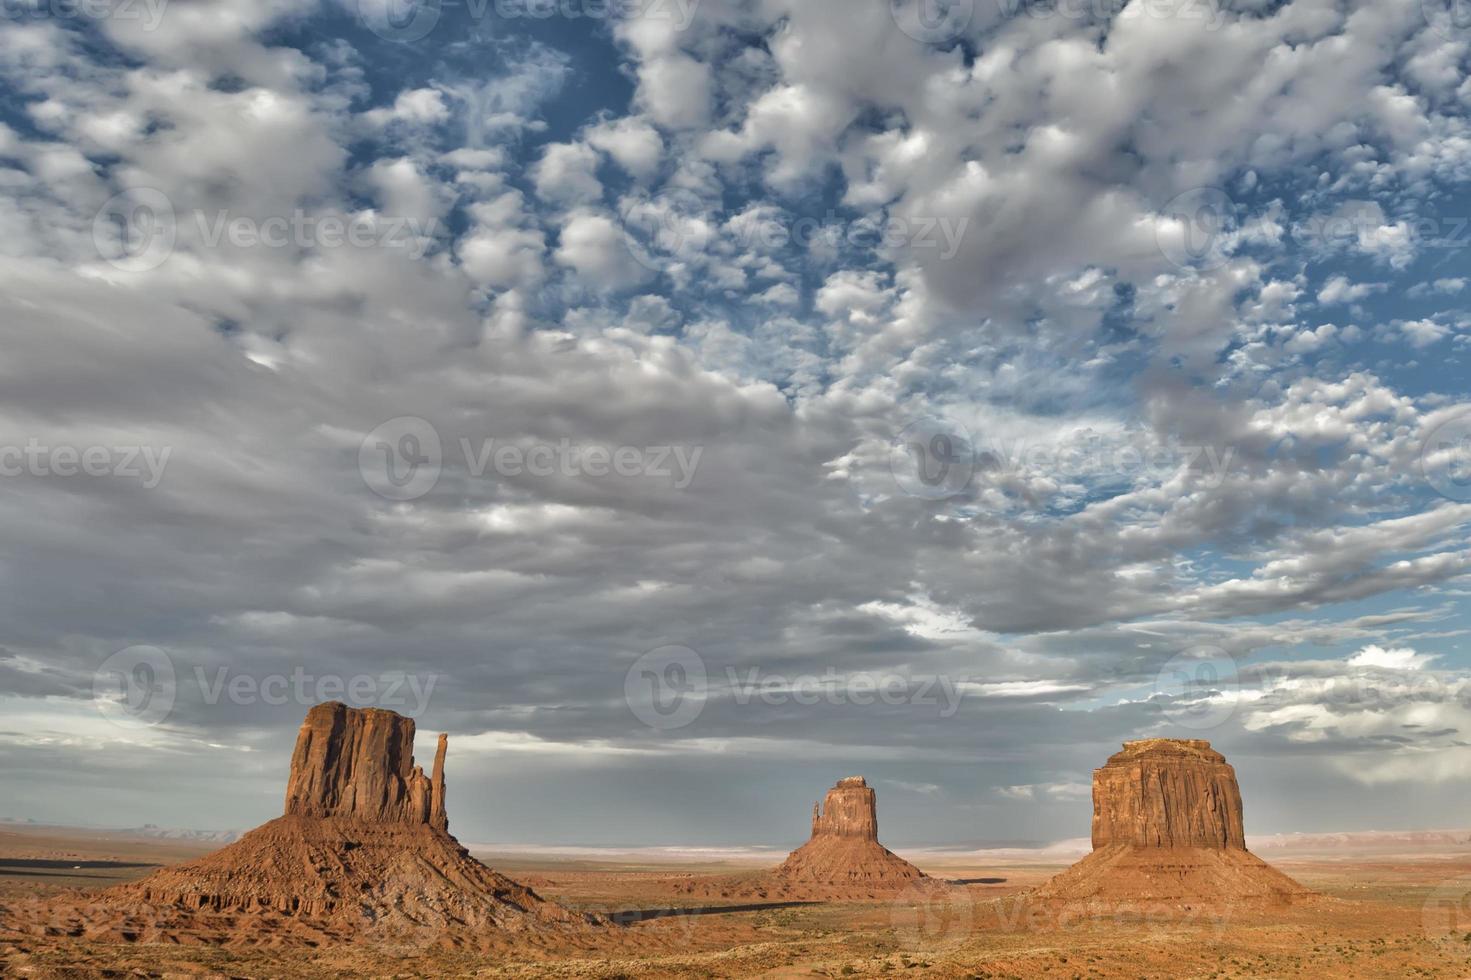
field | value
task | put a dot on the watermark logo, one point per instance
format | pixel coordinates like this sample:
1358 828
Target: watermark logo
406 693
1206 12
1088 456
136 229
1451 19
1197 232
145 464
677 228
1200 687
937 458
840 689
402 21
393 939
301 230
668 230
1021 913
407 21
1446 914
149 13
933 21
1363 227
1445 459
680 14
931 917
139 687
136 687
401 459
932 458
666 687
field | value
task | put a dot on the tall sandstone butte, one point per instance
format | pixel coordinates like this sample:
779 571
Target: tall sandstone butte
363 848
359 763
843 859
1167 793
849 810
1168 828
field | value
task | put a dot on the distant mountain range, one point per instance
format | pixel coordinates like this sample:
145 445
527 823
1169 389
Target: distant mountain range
1365 840
148 831
176 833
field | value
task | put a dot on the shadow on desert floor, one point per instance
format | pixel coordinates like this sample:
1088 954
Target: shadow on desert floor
645 915
39 868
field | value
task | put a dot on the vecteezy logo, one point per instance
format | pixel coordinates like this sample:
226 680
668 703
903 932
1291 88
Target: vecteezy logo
1196 234
932 916
135 687
932 458
665 688
401 459
1200 687
136 230
1446 914
1450 19
667 230
933 21
405 21
1445 459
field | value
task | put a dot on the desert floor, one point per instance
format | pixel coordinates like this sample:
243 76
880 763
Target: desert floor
1384 914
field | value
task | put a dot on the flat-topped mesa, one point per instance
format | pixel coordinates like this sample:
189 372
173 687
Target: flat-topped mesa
359 763
1164 792
1167 831
848 810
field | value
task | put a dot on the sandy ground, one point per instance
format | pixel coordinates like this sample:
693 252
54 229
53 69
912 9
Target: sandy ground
1384 914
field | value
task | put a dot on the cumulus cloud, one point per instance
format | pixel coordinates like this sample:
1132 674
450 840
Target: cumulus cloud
1402 658
566 174
633 143
1339 289
1424 332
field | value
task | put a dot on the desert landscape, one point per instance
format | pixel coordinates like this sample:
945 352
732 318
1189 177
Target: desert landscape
726 489
360 876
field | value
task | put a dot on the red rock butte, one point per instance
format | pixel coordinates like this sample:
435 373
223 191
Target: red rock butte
359 764
1167 793
850 810
844 855
363 849
1168 829
843 859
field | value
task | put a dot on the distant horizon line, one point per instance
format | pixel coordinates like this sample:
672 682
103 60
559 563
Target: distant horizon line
764 850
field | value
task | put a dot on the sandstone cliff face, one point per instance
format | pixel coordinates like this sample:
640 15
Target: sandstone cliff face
359 763
1167 793
1167 830
849 810
844 856
363 849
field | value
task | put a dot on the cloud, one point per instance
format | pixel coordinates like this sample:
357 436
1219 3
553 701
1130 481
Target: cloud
595 247
633 143
422 106
566 174
1338 289
1396 659
1090 268
1048 791
1423 333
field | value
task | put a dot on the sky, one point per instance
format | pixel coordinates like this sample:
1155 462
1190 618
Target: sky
687 403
